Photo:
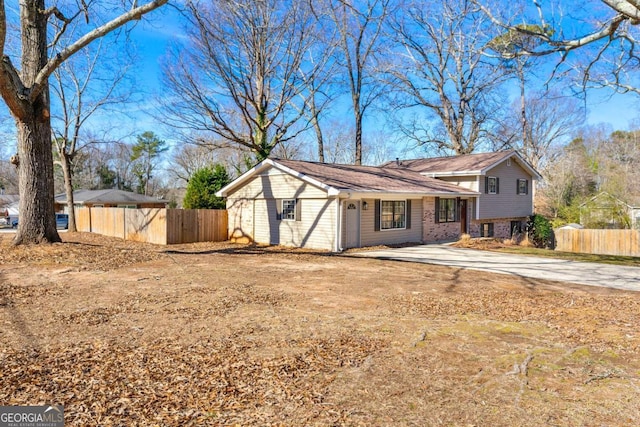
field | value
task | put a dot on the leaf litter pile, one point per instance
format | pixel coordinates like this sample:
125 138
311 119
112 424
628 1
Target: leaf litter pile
129 334
213 382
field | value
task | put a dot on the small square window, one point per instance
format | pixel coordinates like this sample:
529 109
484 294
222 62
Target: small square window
516 228
289 210
486 229
523 186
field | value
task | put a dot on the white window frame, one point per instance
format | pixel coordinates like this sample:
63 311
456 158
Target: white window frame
526 184
495 185
393 215
289 213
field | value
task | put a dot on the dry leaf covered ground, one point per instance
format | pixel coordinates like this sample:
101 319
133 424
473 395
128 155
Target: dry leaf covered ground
128 334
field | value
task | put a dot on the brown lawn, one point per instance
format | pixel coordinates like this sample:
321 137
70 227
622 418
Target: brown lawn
128 334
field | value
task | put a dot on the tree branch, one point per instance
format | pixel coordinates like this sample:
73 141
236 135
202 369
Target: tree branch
564 46
101 31
3 27
12 88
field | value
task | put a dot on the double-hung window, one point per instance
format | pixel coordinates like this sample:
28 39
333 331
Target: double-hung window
492 185
523 186
288 210
447 210
393 214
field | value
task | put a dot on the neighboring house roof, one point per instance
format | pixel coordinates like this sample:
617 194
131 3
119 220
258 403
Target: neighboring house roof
107 196
13 209
571 226
608 197
468 164
7 199
337 179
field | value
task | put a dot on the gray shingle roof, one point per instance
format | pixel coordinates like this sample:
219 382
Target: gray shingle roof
464 163
372 178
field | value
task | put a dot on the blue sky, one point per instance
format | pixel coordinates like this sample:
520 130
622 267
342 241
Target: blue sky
153 35
157 30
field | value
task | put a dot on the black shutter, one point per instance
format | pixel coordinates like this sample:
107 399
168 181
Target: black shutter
517 186
376 215
437 215
298 210
458 209
278 209
486 185
497 185
408 215
526 191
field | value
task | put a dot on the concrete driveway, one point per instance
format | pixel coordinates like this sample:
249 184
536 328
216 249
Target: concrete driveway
592 274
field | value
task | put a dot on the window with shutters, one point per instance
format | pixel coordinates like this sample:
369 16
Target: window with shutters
523 186
492 185
288 210
447 210
393 214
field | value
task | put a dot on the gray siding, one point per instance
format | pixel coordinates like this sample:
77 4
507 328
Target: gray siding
507 203
370 237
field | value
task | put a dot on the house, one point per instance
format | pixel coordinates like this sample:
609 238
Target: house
335 207
9 207
110 198
605 210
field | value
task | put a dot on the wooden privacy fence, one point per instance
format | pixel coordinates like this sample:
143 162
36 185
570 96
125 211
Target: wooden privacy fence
160 226
602 242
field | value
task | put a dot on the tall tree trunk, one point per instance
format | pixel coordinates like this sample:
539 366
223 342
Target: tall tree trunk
37 222
523 109
316 126
65 163
358 148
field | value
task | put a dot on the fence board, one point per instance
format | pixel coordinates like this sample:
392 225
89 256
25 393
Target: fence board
602 242
159 226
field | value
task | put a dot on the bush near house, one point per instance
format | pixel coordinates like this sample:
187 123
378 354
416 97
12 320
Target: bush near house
202 187
540 231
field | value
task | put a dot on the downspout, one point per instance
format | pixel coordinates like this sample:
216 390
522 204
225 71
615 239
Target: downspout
339 226
477 199
533 196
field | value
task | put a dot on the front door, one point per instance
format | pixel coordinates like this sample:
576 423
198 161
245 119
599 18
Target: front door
463 216
352 225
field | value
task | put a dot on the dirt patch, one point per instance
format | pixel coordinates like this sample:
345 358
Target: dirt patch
133 334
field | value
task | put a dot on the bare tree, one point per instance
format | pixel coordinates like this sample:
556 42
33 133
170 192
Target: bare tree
551 121
239 75
319 75
26 93
360 24
441 70
83 86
